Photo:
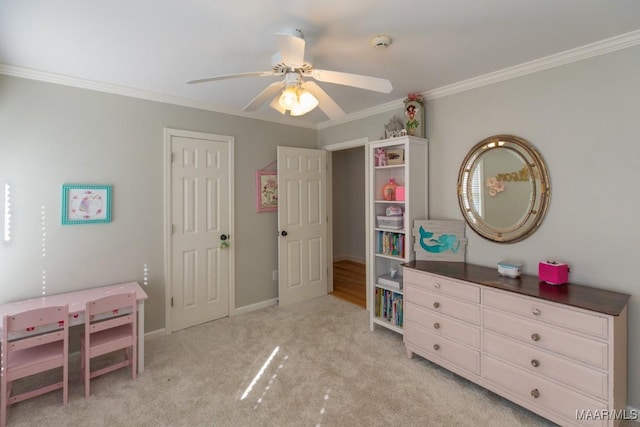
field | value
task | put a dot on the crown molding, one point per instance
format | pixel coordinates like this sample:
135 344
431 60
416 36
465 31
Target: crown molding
382 108
573 55
12 70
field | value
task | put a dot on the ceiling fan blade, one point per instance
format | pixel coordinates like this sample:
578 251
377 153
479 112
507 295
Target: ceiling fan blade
355 80
232 76
262 97
291 49
327 105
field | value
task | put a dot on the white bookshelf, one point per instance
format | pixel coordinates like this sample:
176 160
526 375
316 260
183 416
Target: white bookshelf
413 175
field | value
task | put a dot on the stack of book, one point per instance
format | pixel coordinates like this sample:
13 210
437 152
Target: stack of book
388 306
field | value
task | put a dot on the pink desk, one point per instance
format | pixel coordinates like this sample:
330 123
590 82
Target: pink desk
77 303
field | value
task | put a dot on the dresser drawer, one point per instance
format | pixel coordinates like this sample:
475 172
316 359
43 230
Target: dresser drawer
439 284
442 325
442 304
547 337
579 321
540 362
551 396
432 346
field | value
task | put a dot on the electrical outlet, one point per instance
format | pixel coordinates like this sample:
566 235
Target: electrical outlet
274 275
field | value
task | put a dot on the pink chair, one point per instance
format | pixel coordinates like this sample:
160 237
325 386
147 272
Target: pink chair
109 326
34 341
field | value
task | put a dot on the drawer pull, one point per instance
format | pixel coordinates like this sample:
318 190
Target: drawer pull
535 393
436 304
436 325
536 312
535 337
436 347
535 363
437 286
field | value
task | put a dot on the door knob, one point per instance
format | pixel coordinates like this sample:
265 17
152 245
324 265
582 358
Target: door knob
223 237
283 233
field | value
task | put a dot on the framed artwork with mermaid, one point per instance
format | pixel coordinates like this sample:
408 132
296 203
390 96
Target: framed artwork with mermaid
439 240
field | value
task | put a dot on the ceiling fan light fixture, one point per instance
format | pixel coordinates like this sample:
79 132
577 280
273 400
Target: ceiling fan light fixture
306 102
294 95
297 101
289 98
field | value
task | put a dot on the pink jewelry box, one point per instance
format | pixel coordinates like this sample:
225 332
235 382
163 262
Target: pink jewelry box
400 192
554 273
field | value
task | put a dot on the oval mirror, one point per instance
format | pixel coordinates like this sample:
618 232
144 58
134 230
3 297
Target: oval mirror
503 188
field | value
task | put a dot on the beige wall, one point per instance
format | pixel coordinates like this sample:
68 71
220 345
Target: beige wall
583 118
348 176
53 134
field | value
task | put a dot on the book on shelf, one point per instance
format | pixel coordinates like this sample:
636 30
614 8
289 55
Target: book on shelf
389 243
388 281
388 306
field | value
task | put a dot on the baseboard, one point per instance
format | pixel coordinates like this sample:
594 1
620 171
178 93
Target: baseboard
254 307
246 309
349 258
155 334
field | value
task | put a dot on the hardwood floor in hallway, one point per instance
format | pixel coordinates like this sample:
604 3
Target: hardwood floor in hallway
349 282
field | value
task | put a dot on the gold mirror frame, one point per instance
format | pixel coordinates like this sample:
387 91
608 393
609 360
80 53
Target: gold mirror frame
531 181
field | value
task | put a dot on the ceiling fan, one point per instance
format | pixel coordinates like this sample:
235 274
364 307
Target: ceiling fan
299 96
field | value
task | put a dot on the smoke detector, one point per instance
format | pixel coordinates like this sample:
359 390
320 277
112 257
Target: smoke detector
380 41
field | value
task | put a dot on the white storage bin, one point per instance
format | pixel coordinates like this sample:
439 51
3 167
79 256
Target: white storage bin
391 222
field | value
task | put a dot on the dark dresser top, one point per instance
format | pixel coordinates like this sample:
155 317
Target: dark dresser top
594 299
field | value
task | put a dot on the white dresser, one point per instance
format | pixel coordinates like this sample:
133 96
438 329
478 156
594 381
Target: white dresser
559 351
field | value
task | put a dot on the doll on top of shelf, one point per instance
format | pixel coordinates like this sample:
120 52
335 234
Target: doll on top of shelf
381 157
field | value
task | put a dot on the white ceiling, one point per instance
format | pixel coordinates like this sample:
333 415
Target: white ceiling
155 46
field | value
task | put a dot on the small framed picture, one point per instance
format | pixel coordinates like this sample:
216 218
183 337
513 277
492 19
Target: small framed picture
86 204
266 191
395 157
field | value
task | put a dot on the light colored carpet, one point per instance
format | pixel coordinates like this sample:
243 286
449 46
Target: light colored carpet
319 364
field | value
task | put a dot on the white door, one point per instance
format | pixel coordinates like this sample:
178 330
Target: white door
200 214
302 224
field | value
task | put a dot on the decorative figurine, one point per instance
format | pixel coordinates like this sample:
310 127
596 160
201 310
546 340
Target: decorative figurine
414 112
381 157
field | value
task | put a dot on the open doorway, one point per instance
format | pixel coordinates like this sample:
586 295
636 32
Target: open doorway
348 203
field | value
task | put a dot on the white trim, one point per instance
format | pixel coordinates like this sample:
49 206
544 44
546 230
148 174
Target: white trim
379 109
601 47
230 140
45 76
573 55
350 258
257 306
359 142
329 207
156 334
167 230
